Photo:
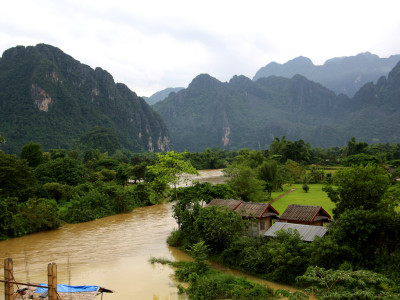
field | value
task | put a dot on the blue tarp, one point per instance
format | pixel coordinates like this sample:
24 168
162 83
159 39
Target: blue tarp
63 288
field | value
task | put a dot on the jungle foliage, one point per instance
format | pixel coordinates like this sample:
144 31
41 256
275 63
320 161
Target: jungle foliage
70 186
360 253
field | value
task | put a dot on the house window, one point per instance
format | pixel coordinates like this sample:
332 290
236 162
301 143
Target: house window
262 225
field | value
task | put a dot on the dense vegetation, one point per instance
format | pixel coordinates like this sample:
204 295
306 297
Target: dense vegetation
243 113
68 186
48 97
207 284
360 257
362 247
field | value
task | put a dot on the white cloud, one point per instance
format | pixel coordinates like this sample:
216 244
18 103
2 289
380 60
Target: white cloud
151 45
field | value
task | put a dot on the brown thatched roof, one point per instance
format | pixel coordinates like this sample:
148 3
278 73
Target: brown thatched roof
256 210
246 209
230 203
304 213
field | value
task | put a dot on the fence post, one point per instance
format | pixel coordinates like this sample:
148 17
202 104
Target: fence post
8 276
52 281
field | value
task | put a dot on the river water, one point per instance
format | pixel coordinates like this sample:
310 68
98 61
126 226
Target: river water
111 252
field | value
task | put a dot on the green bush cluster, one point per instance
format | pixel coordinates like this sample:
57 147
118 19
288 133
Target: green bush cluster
40 191
365 237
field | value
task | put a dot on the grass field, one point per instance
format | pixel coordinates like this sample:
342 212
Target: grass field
315 196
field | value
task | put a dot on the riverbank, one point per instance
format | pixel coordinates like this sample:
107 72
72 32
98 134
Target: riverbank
112 252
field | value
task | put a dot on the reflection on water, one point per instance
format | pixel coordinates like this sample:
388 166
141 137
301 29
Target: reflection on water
112 252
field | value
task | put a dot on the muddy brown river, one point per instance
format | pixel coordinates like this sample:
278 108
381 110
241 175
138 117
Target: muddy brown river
112 252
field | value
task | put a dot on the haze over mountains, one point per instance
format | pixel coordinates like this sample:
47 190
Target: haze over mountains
47 96
161 95
344 75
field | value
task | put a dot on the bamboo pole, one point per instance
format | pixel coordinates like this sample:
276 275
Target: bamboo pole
8 276
52 281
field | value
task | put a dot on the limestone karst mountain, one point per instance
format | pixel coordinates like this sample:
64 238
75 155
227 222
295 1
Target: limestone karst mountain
48 97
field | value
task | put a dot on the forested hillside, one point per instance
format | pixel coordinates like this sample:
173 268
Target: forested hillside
48 97
248 114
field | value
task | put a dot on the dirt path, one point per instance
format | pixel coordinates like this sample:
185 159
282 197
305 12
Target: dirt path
282 195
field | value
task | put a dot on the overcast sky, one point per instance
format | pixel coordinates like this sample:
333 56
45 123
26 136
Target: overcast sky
153 44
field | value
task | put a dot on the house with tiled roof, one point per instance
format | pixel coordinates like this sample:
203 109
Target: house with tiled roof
305 214
260 214
232 204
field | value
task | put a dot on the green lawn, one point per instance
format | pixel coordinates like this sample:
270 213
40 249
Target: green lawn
315 196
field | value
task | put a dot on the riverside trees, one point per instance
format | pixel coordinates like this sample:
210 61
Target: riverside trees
362 247
168 170
45 189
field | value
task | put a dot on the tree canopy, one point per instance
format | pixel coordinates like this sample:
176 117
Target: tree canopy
358 187
169 168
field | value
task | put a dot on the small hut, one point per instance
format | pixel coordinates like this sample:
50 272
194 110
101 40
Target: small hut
232 204
305 214
261 213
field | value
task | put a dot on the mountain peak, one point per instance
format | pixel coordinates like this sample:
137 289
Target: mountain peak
70 98
343 75
300 61
204 81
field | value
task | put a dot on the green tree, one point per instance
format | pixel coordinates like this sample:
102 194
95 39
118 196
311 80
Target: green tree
358 187
58 153
33 153
355 148
62 170
289 256
244 180
368 233
16 177
360 159
58 191
346 284
298 151
268 172
199 252
206 192
296 170
305 187
39 215
217 226
278 147
316 175
169 169
9 221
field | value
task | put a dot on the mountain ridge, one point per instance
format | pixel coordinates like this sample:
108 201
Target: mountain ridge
49 97
243 113
340 74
